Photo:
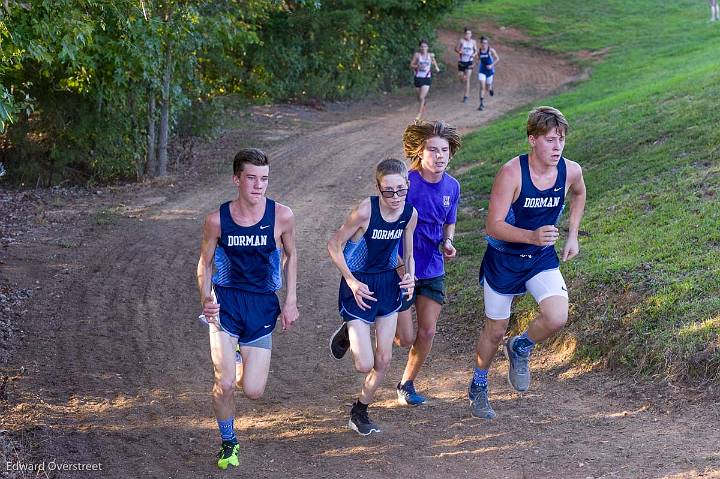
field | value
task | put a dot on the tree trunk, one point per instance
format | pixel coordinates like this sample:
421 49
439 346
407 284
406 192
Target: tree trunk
151 155
165 114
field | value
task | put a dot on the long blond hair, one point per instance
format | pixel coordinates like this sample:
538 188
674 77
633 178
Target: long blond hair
416 135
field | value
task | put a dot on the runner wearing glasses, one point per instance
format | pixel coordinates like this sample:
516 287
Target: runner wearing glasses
365 251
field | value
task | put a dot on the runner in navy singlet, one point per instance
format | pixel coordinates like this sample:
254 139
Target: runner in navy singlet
421 64
365 250
527 199
486 71
251 241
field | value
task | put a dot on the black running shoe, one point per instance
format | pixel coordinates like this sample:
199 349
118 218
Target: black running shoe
481 107
492 92
360 421
340 342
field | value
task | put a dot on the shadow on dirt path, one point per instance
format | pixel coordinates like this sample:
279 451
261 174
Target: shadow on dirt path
117 370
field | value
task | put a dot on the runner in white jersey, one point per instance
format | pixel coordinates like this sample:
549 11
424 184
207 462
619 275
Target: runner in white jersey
467 50
714 11
422 63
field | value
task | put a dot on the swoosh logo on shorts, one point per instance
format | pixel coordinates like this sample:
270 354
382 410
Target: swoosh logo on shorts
266 326
563 288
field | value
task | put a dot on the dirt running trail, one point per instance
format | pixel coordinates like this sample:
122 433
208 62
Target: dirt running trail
117 370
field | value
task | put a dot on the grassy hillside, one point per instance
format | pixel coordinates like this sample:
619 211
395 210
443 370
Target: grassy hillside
645 290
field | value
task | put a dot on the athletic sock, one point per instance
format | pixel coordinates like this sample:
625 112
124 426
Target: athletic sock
359 407
480 377
523 344
227 429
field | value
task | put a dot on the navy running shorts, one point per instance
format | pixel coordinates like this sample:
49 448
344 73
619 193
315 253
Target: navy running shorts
433 288
507 273
247 316
386 289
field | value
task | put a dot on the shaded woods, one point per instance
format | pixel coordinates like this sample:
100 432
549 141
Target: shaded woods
96 90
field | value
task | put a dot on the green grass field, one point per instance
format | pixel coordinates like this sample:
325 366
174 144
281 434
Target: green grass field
645 290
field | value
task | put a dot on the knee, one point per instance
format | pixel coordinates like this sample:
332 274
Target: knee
363 365
555 320
382 361
225 387
254 391
426 335
405 341
493 333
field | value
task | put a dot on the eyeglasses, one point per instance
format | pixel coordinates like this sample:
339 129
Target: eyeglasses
390 193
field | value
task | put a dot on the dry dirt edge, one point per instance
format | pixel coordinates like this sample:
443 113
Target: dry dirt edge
117 370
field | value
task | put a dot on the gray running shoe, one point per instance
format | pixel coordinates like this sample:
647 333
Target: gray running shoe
360 421
518 367
340 342
479 402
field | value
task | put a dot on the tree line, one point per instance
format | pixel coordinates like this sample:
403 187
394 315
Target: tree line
95 90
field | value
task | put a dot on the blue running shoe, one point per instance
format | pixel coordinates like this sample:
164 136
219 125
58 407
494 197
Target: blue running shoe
407 396
518 367
479 402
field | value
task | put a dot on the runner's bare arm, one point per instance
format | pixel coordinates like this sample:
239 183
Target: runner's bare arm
447 247
357 220
578 195
211 234
505 190
458 47
434 62
286 222
408 275
495 56
414 61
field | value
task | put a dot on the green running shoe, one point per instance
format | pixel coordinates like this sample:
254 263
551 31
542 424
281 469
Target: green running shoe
228 455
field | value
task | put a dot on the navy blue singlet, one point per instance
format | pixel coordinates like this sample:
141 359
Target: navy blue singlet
377 249
533 208
247 257
486 62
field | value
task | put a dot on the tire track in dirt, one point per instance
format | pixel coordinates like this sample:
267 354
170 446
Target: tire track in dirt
123 376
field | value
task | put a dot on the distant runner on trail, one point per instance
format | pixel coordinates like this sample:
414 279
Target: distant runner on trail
251 241
466 49
527 199
486 71
365 250
714 11
422 63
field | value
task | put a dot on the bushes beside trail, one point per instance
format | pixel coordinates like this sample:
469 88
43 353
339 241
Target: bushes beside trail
92 90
